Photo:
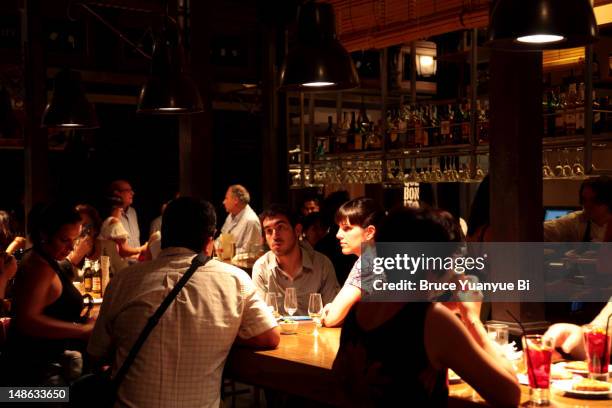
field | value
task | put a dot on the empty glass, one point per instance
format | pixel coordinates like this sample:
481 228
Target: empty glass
577 167
315 308
546 170
498 332
272 303
291 304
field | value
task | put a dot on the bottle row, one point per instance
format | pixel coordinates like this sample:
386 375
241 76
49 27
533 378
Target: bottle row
564 111
409 126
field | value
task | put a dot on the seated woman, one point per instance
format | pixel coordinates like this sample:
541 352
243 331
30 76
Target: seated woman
9 242
47 307
113 230
357 220
393 352
91 244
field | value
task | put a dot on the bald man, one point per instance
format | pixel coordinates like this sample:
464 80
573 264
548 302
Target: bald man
241 222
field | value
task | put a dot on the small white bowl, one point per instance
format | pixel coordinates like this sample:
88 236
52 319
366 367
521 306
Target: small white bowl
288 327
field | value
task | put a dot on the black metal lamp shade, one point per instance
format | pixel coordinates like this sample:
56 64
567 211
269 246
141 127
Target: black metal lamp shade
168 90
319 62
69 107
170 95
541 24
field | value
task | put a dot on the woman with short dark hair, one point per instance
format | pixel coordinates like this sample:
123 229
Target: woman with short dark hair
392 352
47 307
357 220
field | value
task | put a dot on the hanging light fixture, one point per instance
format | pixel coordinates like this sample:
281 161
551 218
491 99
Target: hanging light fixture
69 107
319 62
426 58
541 24
169 91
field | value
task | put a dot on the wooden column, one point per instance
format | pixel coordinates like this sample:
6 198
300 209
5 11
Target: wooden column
516 168
274 142
35 137
196 147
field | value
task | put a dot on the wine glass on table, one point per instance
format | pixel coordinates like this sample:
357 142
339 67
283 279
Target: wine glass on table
290 301
315 308
272 303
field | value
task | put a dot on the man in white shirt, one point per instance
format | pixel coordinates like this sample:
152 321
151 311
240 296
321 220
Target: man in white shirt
289 265
589 224
129 219
181 362
242 222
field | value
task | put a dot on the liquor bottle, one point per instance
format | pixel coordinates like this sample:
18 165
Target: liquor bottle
465 124
341 134
570 110
483 123
393 129
350 136
362 128
456 121
597 122
434 127
420 131
550 112
96 281
580 110
560 105
324 140
373 140
445 123
364 121
87 275
409 115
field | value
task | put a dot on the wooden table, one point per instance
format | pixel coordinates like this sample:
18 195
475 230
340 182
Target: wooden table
301 365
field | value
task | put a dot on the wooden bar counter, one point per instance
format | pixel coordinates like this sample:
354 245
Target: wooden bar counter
301 365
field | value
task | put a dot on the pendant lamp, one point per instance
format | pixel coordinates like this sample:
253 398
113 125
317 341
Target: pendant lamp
541 24
69 107
169 91
318 62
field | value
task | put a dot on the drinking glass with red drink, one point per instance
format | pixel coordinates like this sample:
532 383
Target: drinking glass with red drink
597 347
538 354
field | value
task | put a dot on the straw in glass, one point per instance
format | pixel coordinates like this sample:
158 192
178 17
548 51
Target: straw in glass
529 364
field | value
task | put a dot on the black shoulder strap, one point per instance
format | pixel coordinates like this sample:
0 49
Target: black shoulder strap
199 260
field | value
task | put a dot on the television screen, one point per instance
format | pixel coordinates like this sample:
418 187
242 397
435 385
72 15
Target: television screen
554 213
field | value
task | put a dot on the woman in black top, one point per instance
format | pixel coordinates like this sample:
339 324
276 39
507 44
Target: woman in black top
47 306
397 354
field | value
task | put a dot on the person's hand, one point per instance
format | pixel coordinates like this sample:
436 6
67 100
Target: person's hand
20 242
81 249
16 244
324 313
568 337
8 266
145 255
